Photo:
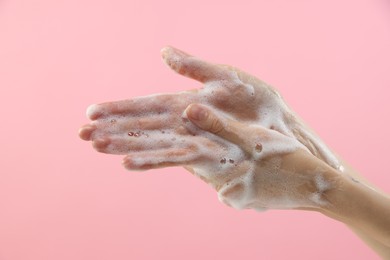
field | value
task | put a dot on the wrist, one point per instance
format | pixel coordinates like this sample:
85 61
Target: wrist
312 180
349 200
336 197
359 206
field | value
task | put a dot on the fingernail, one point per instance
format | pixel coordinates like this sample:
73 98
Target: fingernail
198 113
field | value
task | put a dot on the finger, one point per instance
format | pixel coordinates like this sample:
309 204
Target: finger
147 123
152 104
209 121
193 67
159 159
138 142
125 125
85 132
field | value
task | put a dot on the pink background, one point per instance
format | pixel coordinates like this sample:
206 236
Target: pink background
59 199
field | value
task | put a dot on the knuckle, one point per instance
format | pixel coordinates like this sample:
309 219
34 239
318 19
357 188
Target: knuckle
192 147
181 130
142 122
183 66
216 126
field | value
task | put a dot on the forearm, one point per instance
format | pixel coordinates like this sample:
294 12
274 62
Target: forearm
379 248
362 208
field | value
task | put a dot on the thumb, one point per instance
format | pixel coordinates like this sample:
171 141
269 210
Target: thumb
206 119
233 131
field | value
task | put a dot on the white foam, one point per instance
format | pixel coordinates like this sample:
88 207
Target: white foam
322 185
250 90
91 110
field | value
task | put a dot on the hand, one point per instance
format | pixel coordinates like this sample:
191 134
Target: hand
248 145
156 118
254 167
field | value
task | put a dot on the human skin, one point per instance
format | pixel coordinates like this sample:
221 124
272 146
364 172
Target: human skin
346 199
249 145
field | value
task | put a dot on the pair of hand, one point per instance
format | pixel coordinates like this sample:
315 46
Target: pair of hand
236 133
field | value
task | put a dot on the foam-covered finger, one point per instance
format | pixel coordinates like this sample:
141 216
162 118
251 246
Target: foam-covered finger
136 142
208 120
100 144
85 132
159 159
125 125
152 104
156 122
193 67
